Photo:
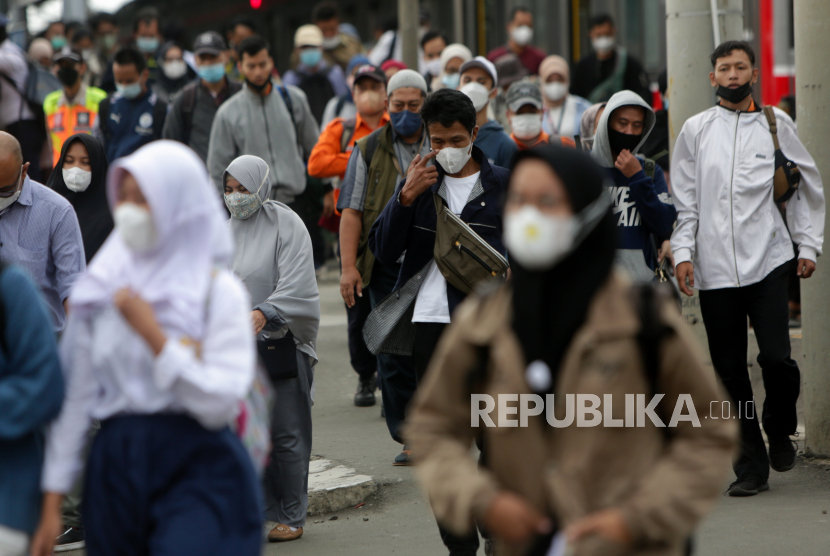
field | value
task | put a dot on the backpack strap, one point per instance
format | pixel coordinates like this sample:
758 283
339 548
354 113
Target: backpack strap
188 105
348 133
4 344
773 126
289 104
341 102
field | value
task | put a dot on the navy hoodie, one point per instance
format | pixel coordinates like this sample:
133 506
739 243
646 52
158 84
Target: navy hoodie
496 145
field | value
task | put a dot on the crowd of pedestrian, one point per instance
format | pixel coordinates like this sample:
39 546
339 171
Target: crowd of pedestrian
498 222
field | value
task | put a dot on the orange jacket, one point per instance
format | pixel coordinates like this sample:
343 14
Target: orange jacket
327 159
544 138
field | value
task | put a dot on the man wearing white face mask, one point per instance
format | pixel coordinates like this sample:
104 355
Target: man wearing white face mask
469 187
524 112
563 111
479 81
609 68
520 33
38 231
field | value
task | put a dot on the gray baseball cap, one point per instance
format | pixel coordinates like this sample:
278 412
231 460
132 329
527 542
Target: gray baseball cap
524 92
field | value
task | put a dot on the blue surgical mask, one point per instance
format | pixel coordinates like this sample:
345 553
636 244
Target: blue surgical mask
406 123
129 91
451 80
212 73
310 56
147 44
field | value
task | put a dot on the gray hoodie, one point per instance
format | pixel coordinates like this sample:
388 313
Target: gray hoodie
602 149
248 123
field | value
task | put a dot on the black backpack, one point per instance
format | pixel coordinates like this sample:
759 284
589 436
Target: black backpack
28 97
319 91
188 95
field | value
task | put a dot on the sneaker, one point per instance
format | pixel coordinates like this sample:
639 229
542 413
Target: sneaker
749 485
781 453
283 533
365 396
71 539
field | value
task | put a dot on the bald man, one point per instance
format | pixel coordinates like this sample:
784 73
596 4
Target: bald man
38 231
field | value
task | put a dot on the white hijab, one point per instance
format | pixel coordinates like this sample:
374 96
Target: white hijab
174 277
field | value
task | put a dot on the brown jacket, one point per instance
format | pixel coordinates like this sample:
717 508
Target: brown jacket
664 487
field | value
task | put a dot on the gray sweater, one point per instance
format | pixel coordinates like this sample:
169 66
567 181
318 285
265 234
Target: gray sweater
249 123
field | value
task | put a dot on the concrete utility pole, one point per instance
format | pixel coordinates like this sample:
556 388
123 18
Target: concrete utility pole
813 108
690 39
408 32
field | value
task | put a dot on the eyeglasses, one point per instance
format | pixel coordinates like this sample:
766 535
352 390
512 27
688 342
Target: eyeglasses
9 190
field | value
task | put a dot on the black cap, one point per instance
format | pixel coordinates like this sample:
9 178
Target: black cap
67 53
370 71
209 42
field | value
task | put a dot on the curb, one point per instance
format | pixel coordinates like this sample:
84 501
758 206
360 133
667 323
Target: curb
333 487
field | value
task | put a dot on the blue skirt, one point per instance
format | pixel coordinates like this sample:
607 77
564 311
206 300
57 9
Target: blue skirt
164 485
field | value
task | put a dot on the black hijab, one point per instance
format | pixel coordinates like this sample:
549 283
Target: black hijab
91 205
549 306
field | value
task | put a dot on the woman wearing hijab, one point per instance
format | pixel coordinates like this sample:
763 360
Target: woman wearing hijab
452 58
158 347
566 324
174 74
80 175
274 260
563 111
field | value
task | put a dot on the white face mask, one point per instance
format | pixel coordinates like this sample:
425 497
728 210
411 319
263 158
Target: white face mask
174 69
331 43
6 202
538 241
522 35
135 224
77 180
603 44
433 67
478 93
555 90
526 126
452 160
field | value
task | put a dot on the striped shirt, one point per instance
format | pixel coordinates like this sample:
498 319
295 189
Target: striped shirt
40 232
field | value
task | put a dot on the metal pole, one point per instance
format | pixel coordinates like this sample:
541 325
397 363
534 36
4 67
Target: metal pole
690 32
408 32
458 21
813 109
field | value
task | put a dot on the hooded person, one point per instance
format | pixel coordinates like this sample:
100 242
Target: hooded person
80 176
273 259
565 318
641 196
452 58
158 348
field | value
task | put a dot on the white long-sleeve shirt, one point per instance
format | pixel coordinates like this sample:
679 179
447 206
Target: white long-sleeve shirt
727 223
13 107
110 370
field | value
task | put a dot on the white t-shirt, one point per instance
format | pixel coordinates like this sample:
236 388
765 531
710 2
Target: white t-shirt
431 304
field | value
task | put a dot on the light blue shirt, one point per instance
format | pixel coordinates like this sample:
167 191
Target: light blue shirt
40 233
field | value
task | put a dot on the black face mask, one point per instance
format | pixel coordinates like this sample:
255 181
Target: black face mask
620 141
257 88
68 75
735 95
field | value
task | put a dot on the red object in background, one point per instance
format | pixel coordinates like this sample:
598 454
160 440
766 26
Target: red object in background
256 4
656 100
775 78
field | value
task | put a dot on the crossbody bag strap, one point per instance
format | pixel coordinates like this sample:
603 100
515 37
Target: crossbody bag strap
773 126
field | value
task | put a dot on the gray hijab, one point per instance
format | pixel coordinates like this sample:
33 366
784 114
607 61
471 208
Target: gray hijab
252 172
273 257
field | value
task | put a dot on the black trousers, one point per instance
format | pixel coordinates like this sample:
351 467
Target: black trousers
363 361
724 315
427 335
397 376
